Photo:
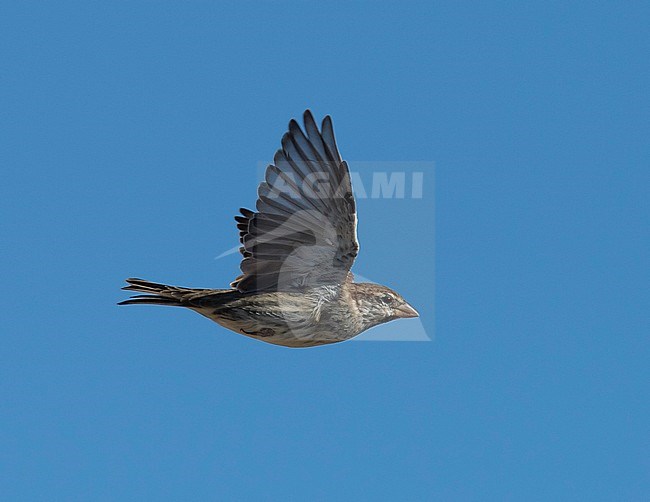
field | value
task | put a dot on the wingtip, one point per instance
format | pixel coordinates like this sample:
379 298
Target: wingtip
286 139
308 115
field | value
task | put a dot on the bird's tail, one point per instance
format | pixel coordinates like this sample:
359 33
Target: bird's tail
161 294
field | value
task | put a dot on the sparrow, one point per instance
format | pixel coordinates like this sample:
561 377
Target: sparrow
298 246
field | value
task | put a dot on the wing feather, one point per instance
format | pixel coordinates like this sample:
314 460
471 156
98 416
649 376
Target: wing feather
303 232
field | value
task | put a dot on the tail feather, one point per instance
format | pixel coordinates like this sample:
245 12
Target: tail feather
160 294
151 300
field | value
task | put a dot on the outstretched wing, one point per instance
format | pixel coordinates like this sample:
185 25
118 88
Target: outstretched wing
304 232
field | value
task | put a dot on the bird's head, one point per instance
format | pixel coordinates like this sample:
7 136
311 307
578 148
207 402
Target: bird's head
378 304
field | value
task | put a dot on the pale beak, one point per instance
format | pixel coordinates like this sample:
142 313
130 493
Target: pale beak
405 310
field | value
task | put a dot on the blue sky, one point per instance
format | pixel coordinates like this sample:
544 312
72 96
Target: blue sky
131 134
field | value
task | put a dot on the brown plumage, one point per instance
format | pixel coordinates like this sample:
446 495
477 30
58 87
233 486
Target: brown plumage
296 288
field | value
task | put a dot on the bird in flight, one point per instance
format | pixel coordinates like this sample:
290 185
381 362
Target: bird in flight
298 246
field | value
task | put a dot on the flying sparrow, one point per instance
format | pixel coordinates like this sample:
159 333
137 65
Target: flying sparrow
296 288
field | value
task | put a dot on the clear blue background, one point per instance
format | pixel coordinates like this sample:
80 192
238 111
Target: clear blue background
132 132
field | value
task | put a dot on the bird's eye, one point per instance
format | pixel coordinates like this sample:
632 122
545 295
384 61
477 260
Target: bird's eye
387 299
